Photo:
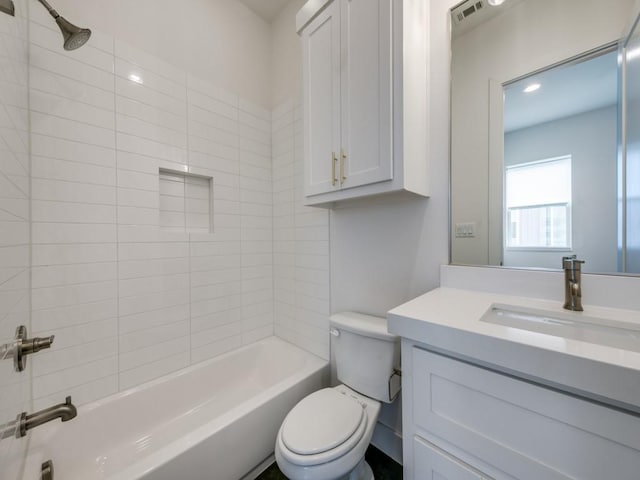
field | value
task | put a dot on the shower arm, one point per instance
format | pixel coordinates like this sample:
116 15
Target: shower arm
50 9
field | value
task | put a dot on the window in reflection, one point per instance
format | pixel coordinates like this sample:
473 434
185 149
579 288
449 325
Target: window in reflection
538 204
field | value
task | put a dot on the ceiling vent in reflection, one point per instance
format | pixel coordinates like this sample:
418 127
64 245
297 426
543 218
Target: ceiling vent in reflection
463 11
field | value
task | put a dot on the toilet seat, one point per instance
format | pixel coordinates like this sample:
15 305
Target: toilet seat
322 427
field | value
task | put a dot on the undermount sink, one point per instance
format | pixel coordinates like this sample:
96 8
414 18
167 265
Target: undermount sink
576 326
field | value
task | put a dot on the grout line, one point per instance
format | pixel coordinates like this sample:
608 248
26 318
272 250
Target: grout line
117 198
74 79
57 55
70 99
29 322
189 242
79 385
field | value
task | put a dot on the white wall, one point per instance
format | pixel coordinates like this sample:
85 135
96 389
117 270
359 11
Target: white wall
386 252
591 139
544 37
15 391
220 40
286 56
127 301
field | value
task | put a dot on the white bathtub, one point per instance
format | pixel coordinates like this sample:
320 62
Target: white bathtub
217 420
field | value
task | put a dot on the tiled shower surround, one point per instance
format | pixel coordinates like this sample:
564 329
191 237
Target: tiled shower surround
301 242
15 392
128 300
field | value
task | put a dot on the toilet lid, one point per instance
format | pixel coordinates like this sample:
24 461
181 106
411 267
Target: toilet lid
321 422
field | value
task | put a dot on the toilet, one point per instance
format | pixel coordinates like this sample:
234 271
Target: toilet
325 436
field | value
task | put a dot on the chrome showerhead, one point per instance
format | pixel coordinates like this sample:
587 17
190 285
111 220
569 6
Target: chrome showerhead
74 37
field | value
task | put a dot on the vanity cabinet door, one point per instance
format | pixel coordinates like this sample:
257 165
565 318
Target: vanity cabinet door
431 462
321 60
366 116
523 429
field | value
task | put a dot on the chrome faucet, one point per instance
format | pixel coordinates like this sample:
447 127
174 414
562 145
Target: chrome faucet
19 427
572 285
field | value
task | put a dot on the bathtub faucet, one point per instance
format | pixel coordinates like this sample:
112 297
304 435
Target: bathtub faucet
19 427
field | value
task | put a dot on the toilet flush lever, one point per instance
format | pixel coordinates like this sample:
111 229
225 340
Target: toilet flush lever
334 332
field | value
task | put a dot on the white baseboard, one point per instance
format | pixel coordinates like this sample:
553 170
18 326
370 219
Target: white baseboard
388 441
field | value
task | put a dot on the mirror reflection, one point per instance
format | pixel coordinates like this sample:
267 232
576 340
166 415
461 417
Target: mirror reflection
538 170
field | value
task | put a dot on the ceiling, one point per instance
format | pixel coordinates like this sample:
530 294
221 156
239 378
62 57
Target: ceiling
266 9
565 91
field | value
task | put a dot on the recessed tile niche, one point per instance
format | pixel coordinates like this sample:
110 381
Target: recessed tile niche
185 202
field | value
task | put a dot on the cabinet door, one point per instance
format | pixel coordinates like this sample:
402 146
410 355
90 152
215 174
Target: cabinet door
527 431
430 462
321 76
366 92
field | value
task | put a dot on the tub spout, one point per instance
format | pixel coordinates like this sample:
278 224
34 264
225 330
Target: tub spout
64 411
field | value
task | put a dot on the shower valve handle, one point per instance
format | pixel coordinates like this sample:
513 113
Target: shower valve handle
23 346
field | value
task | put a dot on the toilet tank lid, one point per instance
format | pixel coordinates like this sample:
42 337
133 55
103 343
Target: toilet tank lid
369 325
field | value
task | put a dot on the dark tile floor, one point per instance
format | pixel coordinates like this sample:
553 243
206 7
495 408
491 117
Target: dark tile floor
384 468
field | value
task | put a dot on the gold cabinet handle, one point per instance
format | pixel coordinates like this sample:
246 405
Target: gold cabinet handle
343 159
334 160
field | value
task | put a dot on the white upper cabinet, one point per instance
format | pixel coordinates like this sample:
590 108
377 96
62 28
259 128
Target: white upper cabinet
366 107
364 73
322 100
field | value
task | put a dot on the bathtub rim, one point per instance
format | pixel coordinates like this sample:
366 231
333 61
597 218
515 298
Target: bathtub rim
187 370
164 454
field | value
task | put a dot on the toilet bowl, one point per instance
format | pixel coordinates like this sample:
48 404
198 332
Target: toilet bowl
325 436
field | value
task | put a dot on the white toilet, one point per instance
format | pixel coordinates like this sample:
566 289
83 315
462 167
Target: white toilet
325 436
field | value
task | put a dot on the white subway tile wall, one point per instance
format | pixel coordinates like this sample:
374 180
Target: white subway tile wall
185 202
15 392
74 217
130 301
301 242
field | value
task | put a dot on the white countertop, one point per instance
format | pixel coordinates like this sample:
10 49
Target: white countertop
448 319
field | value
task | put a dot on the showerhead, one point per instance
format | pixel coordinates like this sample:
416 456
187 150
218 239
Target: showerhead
74 37
7 6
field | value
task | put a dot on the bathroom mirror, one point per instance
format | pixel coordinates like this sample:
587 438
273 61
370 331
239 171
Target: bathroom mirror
544 146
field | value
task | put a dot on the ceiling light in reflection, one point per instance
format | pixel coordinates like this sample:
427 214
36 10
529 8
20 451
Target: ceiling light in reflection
135 78
532 87
495 3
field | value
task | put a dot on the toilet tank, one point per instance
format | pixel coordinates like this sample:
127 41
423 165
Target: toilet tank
367 356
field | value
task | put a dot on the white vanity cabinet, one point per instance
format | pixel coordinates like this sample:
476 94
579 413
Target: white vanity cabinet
463 420
365 98
433 462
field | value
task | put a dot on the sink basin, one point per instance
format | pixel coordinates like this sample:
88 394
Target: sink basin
577 326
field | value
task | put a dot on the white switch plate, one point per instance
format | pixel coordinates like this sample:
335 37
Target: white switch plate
466 230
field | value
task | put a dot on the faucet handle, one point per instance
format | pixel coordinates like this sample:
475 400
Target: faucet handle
22 347
571 262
